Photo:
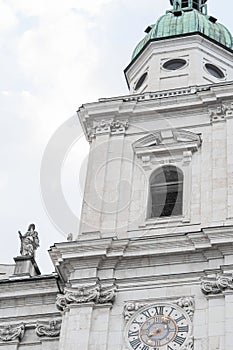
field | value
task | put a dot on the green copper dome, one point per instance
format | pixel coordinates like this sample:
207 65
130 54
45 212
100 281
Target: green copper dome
184 21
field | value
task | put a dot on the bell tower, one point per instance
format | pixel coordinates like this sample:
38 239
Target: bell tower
151 267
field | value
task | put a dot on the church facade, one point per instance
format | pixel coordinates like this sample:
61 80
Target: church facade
152 265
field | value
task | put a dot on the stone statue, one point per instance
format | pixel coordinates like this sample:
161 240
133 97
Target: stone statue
29 241
70 237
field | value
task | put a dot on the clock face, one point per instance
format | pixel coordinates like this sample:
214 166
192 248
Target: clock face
158 327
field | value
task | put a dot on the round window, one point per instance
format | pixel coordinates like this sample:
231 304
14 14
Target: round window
215 71
174 64
141 81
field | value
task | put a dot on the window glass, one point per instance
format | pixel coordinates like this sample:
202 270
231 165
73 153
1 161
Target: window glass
166 192
174 64
215 71
141 81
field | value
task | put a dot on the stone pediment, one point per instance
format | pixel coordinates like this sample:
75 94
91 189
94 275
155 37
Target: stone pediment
169 140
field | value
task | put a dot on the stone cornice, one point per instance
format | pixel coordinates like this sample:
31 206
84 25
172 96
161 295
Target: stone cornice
115 254
133 109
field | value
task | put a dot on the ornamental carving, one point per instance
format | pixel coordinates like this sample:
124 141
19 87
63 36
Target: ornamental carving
98 294
48 328
10 332
107 294
221 112
188 304
113 127
130 309
216 284
190 344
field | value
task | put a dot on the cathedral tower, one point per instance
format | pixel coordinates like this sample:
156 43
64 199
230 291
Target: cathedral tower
152 265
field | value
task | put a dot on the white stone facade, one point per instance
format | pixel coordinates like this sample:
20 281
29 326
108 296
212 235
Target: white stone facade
122 260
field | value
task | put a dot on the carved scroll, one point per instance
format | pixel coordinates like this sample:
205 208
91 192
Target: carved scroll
10 332
216 284
86 294
48 328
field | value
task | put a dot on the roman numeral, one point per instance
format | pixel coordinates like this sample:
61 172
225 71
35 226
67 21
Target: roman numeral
146 313
169 347
135 343
183 329
180 319
171 312
133 333
159 310
145 347
179 340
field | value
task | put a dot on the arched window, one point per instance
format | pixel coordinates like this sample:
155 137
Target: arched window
166 192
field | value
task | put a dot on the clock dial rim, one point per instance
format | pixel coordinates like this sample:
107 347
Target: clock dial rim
154 305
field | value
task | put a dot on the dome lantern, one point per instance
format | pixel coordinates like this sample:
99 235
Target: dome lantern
179 5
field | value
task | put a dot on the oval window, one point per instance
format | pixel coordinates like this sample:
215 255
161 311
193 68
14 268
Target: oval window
174 64
215 71
141 81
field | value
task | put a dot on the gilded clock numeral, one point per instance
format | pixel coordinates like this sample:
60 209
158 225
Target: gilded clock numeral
179 340
183 329
135 343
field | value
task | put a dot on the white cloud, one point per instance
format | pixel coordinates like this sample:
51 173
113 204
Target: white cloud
8 19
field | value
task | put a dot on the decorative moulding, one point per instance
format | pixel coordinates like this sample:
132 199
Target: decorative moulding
221 112
216 284
48 328
10 332
97 294
172 142
111 127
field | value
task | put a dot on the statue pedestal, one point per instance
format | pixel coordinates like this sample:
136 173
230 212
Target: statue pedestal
25 266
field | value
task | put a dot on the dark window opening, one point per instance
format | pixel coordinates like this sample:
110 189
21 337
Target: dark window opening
174 64
141 80
215 71
185 3
166 190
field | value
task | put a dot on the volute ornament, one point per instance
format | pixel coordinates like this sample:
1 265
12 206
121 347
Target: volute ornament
48 328
216 284
188 304
97 293
10 332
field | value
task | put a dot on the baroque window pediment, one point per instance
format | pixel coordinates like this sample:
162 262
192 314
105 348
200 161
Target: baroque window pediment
167 141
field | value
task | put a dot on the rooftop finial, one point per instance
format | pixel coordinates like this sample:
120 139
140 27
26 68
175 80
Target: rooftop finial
199 5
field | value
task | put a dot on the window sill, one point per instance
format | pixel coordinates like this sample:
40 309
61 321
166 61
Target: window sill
165 220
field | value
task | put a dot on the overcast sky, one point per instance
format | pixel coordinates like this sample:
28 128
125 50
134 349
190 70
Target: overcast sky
55 56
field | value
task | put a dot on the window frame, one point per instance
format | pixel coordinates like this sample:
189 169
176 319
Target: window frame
170 147
152 183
